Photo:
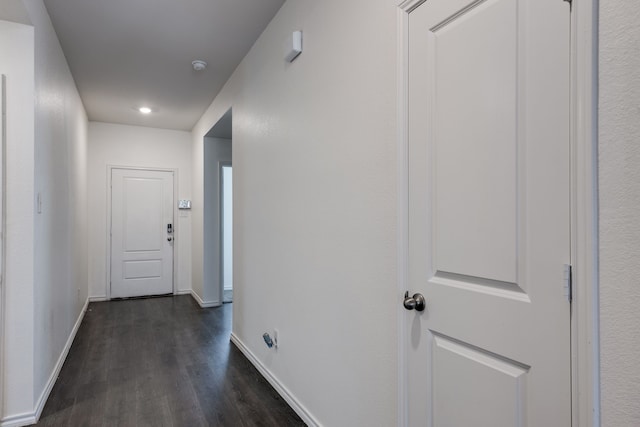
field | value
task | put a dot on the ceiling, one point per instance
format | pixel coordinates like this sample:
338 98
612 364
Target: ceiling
125 54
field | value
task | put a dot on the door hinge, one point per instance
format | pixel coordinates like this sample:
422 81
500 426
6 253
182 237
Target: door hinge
568 282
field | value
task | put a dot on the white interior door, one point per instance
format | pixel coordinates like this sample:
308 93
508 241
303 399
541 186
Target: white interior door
488 215
141 233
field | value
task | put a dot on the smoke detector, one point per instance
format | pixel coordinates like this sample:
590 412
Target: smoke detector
199 65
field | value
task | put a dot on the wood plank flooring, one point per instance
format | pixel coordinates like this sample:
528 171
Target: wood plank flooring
161 362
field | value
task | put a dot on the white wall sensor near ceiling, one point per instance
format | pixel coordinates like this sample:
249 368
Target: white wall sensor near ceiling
293 47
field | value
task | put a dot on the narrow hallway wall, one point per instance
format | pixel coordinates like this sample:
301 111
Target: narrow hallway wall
619 188
314 162
60 270
46 220
17 41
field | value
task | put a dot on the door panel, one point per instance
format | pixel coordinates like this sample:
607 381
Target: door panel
462 374
142 269
467 170
141 252
489 213
143 215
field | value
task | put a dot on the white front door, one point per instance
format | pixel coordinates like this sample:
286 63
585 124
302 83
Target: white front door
488 213
141 233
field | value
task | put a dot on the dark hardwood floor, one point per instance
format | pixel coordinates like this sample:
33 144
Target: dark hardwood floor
161 362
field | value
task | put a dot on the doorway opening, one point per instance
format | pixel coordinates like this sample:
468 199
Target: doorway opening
217 261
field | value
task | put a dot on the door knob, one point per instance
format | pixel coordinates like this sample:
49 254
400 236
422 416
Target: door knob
416 302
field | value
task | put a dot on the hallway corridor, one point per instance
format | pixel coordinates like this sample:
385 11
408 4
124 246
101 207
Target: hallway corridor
161 362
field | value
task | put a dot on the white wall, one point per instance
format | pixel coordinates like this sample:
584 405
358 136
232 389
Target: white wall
17 63
619 187
46 254
135 146
60 270
314 159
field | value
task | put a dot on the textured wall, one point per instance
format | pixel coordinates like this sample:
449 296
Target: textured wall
17 43
60 234
619 175
314 163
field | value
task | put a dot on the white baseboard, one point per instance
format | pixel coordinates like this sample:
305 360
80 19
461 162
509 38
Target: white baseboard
19 420
204 304
280 388
32 418
104 298
63 356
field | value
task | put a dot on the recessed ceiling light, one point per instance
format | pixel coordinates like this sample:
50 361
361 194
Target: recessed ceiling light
145 110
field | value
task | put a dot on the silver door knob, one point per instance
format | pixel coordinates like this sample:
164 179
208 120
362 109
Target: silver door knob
169 239
416 302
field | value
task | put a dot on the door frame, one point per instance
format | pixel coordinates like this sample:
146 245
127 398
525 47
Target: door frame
3 225
222 164
176 229
585 395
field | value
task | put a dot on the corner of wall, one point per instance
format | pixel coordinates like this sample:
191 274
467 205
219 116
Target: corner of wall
18 43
